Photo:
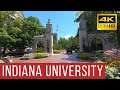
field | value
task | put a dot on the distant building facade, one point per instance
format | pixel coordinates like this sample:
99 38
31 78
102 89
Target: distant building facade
18 14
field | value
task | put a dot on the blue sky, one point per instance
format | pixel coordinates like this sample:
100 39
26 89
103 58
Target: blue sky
64 19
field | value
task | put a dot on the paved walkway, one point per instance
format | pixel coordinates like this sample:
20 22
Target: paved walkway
55 58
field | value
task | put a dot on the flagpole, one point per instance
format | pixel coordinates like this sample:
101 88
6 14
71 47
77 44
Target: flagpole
57 34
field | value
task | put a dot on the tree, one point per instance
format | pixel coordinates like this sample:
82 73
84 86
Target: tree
5 18
5 38
73 43
96 44
33 26
62 42
54 37
18 33
26 29
55 41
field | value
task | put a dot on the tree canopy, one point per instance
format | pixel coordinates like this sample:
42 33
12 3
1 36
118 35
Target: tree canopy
18 33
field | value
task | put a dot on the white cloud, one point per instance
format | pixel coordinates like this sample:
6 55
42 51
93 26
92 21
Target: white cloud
67 36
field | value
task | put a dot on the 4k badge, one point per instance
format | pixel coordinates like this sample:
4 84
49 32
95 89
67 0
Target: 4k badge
106 21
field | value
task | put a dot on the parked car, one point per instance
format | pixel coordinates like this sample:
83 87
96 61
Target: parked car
69 50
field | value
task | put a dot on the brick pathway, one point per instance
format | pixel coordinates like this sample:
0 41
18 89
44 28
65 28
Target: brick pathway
56 58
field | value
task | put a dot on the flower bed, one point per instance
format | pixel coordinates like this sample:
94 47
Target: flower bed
33 55
112 63
27 56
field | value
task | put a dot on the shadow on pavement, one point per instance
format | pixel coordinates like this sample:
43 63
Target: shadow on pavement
72 58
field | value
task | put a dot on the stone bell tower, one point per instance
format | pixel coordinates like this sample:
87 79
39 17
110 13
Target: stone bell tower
49 37
46 39
83 37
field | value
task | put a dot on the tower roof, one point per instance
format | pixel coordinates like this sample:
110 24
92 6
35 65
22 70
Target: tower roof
48 21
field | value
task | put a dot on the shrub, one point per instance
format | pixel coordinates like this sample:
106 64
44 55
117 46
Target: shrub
114 57
1 61
112 61
62 50
31 55
99 55
107 61
115 63
117 77
85 55
40 55
56 51
40 49
77 50
111 73
108 52
4 54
